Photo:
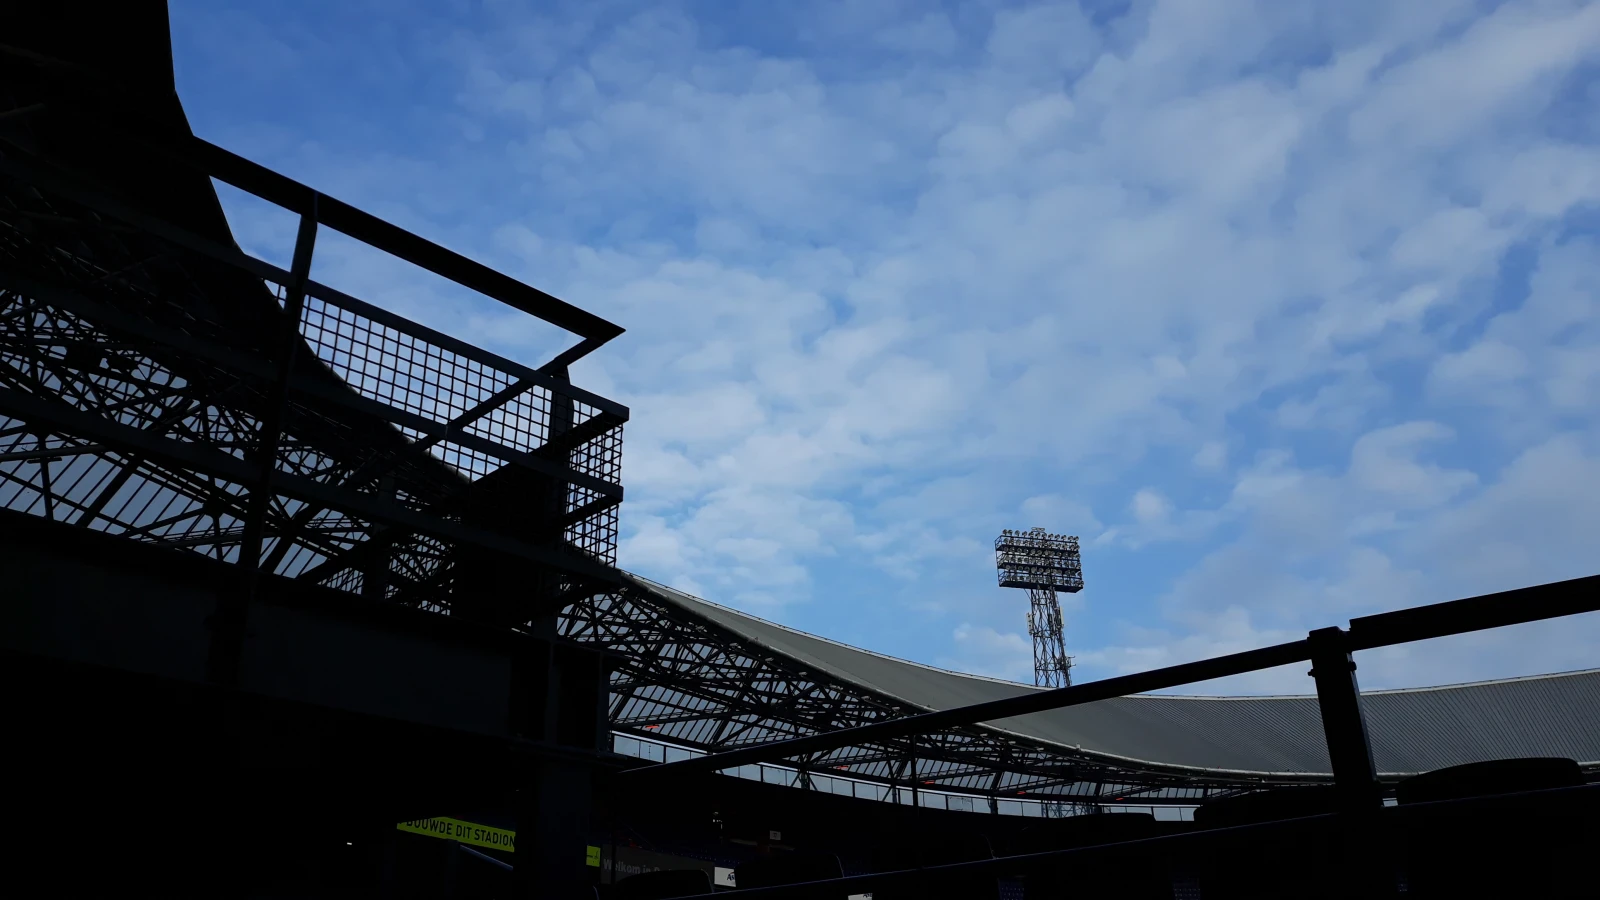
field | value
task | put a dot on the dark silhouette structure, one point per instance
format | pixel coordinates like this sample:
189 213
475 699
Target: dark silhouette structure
239 503
281 570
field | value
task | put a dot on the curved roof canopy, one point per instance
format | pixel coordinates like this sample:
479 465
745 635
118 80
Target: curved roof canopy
1209 739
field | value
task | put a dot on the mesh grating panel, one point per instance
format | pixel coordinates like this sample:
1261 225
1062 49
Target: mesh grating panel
156 337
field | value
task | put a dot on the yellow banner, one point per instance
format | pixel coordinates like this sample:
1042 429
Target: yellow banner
476 835
463 832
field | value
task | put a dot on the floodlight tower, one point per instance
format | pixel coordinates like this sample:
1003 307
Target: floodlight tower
1043 563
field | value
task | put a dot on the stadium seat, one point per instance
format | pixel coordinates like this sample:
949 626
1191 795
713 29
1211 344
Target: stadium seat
1520 851
666 883
789 868
1268 865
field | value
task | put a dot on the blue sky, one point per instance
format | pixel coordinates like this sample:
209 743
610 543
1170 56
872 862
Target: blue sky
1289 310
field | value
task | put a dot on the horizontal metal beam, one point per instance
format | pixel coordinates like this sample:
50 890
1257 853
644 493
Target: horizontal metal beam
594 507
50 453
1514 607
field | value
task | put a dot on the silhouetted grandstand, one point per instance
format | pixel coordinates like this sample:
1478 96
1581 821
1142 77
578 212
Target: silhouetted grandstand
304 599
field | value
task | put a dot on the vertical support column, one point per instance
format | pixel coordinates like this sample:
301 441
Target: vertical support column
1339 700
232 612
552 801
916 795
552 806
375 573
553 584
999 777
1364 866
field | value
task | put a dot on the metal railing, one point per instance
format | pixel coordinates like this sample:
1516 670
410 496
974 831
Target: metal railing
1126 854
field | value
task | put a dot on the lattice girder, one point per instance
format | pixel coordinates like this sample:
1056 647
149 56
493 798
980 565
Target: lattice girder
685 682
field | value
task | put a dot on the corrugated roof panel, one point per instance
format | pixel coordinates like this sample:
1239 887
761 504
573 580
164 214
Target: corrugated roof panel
1411 730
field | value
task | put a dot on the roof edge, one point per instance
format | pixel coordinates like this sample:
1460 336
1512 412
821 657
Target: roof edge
909 662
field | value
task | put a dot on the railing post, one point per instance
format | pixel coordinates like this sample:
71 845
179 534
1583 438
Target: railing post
1362 862
229 619
1339 700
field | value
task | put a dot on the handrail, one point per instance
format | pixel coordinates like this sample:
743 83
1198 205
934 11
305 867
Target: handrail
478 854
1012 865
1514 607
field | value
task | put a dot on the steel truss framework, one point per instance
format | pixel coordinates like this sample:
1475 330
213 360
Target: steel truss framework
683 681
159 384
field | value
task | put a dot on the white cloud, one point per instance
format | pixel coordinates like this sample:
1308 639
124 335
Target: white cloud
1500 64
1063 514
1246 274
982 650
1150 508
1384 463
1479 368
1212 456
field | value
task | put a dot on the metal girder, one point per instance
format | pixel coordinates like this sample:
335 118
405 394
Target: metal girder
682 681
953 746
50 454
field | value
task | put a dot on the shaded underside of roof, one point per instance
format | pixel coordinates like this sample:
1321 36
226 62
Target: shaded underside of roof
1411 730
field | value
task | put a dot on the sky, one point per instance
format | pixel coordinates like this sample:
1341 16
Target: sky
1290 310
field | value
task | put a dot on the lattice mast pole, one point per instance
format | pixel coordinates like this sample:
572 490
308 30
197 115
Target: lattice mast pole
1043 563
1052 667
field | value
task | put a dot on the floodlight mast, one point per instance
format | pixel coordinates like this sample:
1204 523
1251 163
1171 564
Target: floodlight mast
1043 563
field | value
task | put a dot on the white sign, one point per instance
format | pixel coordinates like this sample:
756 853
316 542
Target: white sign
722 877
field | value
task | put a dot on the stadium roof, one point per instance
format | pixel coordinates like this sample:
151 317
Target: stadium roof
1413 730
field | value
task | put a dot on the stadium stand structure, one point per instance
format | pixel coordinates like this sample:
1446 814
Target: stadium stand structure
238 503
303 598
708 678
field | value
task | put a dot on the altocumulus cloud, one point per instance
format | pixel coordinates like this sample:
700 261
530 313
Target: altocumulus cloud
1289 309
